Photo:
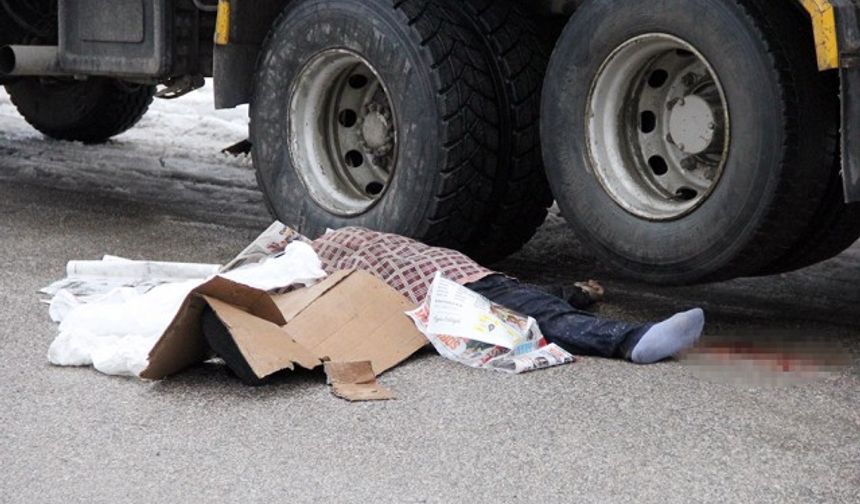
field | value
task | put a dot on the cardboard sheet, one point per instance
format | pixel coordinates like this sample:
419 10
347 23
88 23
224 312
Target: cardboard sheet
349 317
356 318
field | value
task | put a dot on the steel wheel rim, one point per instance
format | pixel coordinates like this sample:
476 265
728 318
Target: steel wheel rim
343 132
658 127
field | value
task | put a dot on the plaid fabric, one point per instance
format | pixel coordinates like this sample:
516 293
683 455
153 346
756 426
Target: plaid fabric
406 265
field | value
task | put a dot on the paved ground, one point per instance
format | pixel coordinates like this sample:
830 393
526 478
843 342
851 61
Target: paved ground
597 431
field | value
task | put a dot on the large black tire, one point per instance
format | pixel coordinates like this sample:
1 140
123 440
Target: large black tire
835 228
443 102
836 224
521 194
780 153
90 111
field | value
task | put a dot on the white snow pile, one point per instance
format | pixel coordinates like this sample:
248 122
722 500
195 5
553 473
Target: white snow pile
112 312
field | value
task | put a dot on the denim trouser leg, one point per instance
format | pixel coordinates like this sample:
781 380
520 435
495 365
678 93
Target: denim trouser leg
578 332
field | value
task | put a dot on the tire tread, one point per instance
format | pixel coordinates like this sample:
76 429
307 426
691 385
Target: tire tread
116 109
467 105
521 196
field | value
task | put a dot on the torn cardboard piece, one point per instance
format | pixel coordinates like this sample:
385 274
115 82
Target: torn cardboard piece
350 316
356 382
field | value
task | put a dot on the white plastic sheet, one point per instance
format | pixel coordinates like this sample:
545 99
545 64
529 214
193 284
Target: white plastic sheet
114 328
114 279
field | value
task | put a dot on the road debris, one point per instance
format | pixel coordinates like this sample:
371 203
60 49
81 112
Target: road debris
273 308
356 382
114 279
466 327
115 330
350 316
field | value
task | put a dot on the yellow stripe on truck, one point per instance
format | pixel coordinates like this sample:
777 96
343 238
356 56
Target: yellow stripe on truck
222 24
824 26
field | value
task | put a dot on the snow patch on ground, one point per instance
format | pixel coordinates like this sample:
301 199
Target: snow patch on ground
172 159
190 124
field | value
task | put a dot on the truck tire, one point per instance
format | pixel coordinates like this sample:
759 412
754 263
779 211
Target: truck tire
835 228
688 140
381 115
90 111
521 194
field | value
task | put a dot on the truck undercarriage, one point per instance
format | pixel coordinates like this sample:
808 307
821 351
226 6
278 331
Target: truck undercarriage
678 153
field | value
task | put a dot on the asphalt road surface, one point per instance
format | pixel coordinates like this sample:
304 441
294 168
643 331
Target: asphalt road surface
596 431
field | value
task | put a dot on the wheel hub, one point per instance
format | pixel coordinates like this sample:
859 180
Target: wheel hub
343 138
658 127
692 124
377 130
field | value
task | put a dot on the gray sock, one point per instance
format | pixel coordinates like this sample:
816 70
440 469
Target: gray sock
669 337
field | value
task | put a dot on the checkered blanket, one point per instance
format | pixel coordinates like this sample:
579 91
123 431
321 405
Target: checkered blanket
406 265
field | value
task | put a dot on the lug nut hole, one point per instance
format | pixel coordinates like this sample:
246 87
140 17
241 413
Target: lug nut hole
648 122
357 81
347 118
658 78
354 159
374 188
658 165
687 194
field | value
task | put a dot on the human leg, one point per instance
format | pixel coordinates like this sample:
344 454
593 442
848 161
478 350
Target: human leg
577 331
583 333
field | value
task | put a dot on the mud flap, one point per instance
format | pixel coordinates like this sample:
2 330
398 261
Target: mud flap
121 38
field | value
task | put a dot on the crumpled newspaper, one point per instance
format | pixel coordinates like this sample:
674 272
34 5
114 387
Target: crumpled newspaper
271 242
467 328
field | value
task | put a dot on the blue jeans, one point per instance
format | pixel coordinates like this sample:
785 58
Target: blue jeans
577 331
